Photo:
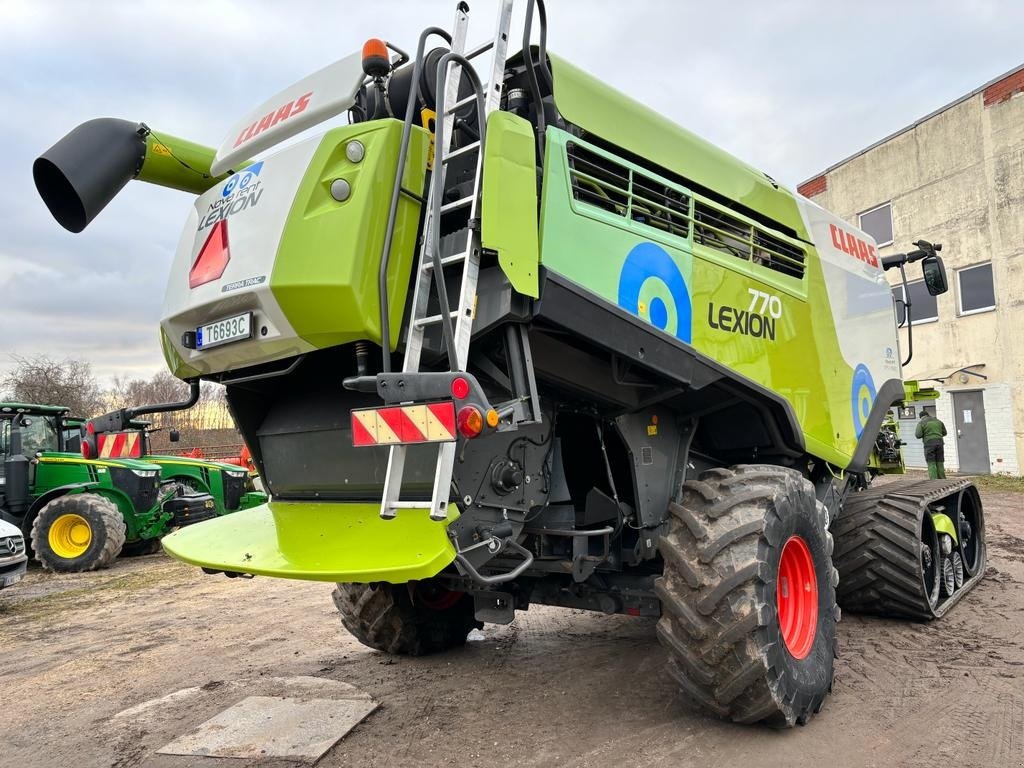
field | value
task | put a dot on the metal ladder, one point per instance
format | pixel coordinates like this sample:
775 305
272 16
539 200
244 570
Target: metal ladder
431 262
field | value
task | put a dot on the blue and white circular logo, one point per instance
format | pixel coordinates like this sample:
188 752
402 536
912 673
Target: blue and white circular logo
862 396
652 288
242 179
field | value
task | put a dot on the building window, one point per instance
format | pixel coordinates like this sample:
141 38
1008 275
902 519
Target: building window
878 223
977 294
924 307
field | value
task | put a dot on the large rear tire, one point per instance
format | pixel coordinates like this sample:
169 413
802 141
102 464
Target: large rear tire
748 595
411 619
78 532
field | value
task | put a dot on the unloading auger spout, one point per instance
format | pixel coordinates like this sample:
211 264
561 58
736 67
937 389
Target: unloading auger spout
82 172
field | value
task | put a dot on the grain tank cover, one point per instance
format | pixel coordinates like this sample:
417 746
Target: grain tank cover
592 105
313 99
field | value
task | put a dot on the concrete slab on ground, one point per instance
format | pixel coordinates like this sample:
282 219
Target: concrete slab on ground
274 726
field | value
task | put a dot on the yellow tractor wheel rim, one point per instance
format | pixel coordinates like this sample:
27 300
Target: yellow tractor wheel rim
70 536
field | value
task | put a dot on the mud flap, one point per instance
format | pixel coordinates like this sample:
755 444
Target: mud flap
319 541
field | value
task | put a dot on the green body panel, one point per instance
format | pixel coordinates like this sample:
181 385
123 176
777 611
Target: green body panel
175 364
326 271
589 246
179 164
914 392
943 524
509 211
318 541
587 102
206 476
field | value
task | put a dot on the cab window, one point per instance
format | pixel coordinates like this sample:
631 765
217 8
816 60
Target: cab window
39 434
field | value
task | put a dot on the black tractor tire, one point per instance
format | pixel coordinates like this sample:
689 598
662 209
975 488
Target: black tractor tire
106 533
413 619
720 595
141 547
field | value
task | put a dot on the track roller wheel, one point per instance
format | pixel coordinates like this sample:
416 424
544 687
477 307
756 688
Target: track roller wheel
748 595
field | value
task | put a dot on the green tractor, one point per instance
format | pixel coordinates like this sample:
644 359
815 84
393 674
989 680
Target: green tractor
121 434
511 337
79 514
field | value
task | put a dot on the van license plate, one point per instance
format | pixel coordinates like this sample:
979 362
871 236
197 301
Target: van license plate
224 331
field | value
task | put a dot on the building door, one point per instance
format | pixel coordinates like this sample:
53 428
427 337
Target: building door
971 433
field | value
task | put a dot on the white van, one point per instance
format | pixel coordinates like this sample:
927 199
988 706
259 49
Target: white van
13 560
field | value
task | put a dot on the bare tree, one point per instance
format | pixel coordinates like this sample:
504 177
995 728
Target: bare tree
45 381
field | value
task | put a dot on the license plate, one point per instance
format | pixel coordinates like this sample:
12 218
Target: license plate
224 331
12 578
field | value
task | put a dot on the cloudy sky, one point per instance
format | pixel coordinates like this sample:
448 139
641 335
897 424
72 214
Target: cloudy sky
791 86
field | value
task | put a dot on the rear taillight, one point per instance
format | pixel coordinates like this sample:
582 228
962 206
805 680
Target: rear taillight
471 421
213 257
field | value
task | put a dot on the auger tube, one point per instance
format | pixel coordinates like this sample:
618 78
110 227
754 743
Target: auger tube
82 172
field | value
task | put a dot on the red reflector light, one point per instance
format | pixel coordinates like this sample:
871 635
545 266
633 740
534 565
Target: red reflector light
90 428
213 257
471 421
86 450
460 388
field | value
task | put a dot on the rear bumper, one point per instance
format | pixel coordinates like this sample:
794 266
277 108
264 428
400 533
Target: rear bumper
319 541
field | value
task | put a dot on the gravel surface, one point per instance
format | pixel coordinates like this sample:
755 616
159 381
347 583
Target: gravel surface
554 688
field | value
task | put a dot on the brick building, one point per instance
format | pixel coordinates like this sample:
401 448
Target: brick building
954 177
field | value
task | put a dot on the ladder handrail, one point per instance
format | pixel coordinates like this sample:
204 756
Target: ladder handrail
437 183
396 192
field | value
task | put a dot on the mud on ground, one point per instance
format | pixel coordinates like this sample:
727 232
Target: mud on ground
554 688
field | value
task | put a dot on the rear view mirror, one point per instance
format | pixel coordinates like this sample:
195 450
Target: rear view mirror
934 275
174 435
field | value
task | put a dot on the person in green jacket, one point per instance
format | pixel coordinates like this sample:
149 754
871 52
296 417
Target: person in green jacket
931 431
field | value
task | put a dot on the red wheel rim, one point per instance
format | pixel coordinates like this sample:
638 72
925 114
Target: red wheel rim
796 597
438 598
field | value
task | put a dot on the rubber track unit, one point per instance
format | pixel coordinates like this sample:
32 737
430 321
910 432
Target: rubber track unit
719 620
384 617
878 550
108 531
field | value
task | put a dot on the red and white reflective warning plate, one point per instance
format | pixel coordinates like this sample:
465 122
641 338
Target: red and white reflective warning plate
404 424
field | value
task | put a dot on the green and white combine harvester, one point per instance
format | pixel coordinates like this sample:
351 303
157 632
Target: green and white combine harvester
511 337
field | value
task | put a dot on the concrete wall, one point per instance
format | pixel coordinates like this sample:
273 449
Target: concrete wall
957 178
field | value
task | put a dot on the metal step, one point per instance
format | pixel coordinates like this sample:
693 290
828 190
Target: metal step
473 146
423 322
457 204
445 261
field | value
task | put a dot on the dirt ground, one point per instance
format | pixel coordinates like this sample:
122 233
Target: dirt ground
554 688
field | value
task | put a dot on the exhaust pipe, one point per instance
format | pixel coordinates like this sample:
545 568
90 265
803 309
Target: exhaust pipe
82 172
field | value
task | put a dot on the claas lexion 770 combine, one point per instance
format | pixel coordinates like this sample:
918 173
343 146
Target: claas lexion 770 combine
511 337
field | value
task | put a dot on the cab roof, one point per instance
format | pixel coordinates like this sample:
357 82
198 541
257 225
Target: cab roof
46 410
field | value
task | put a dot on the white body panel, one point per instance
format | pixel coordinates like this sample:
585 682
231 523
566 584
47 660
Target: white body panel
312 100
860 296
255 204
